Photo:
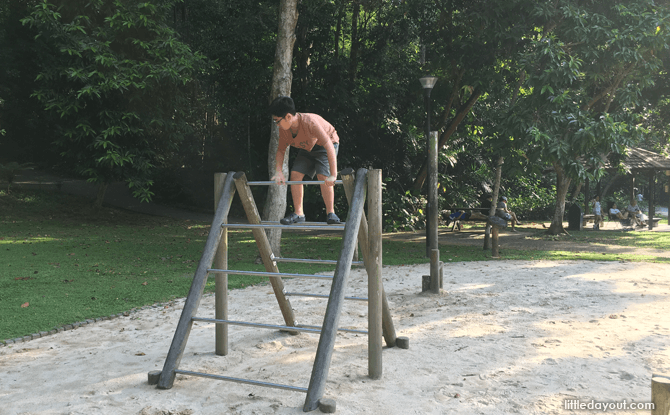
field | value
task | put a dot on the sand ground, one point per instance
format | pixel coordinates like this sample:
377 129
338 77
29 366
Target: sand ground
502 338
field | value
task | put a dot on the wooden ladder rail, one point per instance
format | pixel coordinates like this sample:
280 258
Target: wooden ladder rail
264 248
372 257
324 352
167 376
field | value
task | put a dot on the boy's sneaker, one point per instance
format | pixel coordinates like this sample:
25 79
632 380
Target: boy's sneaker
292 218
333 219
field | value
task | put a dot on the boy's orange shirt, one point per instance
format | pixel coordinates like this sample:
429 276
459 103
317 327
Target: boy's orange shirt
312 129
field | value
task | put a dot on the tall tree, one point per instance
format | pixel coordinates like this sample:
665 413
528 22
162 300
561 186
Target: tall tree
29 131
115 75
275 202
467 44
586 69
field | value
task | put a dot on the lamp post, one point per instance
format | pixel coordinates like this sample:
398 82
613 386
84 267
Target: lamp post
428 82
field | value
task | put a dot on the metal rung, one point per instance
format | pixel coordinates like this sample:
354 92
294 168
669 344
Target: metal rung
238 380
270 274
347 330
301 327
321 226
270 183
259 325
312 261
324 296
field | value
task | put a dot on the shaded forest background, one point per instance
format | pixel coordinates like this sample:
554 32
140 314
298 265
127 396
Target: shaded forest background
161 94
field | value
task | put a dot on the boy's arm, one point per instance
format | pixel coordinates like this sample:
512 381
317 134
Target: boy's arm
332 163
324 141
278 177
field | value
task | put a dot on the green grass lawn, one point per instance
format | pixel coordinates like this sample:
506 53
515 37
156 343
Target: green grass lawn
62 262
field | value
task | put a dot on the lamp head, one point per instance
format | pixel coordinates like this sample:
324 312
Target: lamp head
428 82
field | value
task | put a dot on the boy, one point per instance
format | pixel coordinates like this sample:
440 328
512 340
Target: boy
318 143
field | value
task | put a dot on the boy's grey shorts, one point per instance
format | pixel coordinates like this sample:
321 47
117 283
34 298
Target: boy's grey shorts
315 161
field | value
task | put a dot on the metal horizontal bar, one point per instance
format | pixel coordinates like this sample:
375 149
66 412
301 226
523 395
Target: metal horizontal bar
319 226
347 330
246 381
300 327
259 325
312 261
270 183
324 296
270 274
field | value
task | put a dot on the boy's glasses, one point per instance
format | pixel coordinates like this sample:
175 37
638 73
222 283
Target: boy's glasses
279 120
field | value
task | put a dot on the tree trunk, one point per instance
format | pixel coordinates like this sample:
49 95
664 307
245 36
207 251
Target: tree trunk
353 54
494 201
100 197
501 160
275 202
576 193
608 185
562 184
338 30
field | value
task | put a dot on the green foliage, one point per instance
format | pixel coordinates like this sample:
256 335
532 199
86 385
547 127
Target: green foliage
115 76
112 77
584 74
531 197
586 71
240 36
403 211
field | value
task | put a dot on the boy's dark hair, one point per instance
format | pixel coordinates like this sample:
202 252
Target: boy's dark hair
281 106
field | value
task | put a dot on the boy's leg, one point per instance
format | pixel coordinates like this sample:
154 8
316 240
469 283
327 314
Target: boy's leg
297 192
328 194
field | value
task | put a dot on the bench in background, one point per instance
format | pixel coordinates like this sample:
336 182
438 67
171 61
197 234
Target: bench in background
457 222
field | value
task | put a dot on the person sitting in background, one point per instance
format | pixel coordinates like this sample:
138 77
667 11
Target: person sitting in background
617 213
597 213
634 212
503 212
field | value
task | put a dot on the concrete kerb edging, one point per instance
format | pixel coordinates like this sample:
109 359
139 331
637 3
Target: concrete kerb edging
76 325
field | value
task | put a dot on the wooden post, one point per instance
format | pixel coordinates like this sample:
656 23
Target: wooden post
263 245
435 271
652 196
660 394
387 320
494 242
431 229
433 212
221 278
192 302
375 275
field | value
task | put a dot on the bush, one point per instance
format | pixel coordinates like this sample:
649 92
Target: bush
403 211
531 199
